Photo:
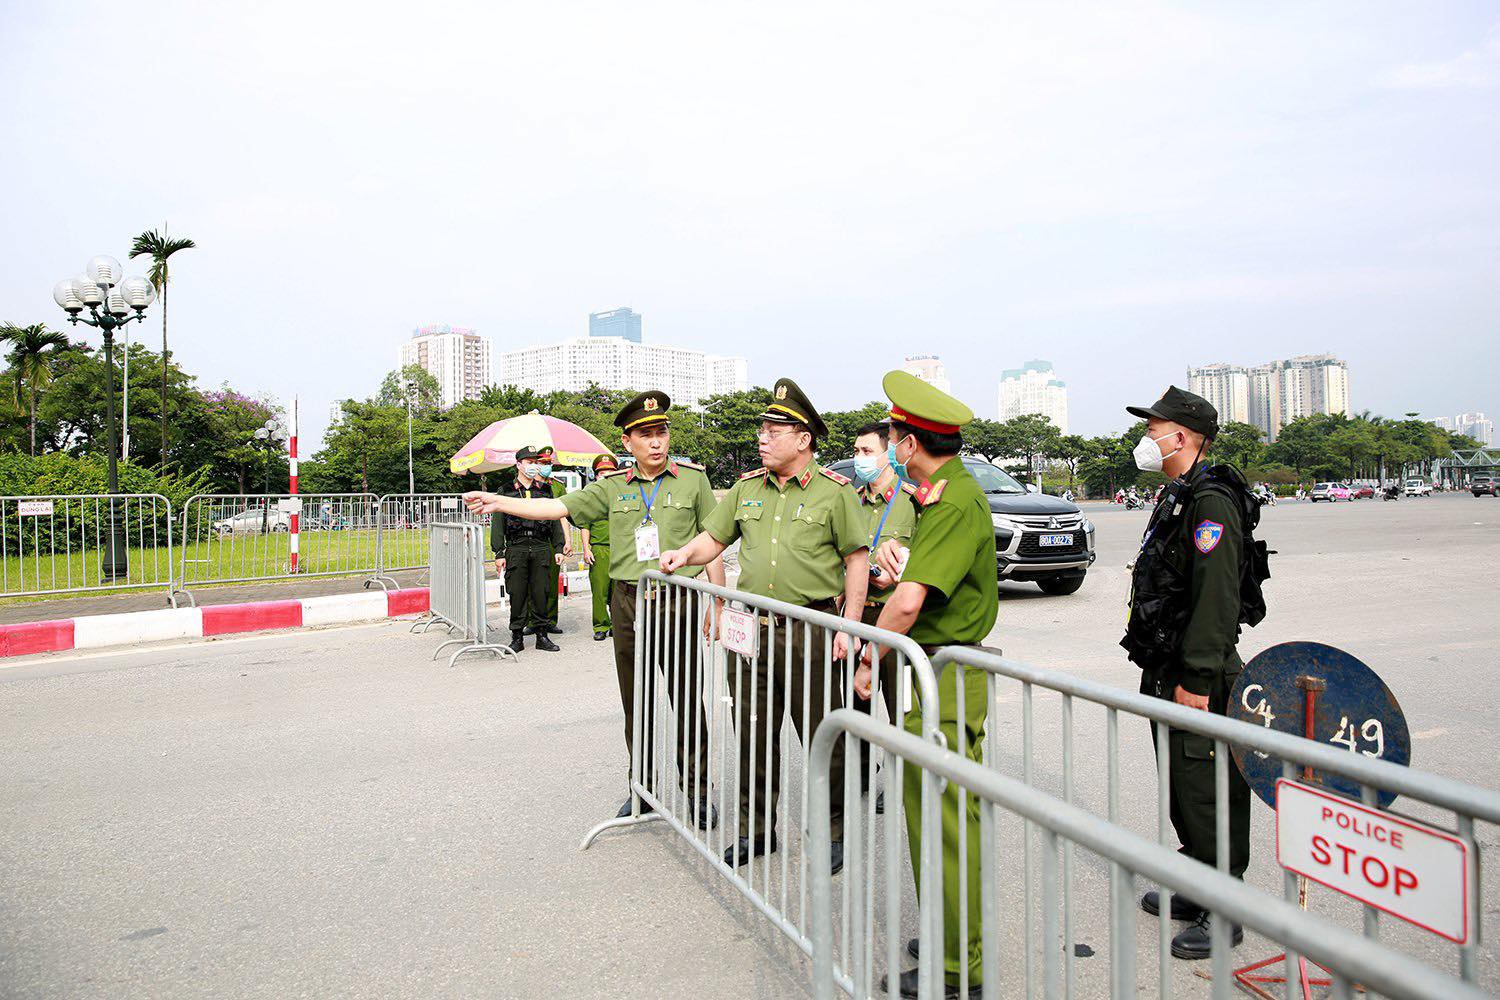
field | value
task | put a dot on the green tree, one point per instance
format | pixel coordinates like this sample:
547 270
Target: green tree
1033 436
1070 450
411 382
33 351
160 247
734 419
1239 444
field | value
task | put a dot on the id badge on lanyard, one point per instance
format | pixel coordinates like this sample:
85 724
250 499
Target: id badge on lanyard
647 538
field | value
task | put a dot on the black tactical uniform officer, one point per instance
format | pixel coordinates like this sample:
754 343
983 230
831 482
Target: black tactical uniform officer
527 553
1186 608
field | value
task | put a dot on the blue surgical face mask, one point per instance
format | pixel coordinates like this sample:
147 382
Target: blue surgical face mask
897 466
866 469
544 471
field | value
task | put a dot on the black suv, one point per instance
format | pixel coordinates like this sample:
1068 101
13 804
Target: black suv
1039 538
1483 483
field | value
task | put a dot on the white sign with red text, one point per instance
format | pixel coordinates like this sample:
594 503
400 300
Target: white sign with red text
738 631
1398 866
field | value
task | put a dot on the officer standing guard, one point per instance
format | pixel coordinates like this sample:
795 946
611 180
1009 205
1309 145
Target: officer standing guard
596 556
559 489
657 503
527 554
803 541
1186 608
947 595
886 501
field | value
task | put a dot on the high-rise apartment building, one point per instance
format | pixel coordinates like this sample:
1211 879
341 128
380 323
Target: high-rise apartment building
623 322
1474 425
457 357
929 369
1034 388
1272 395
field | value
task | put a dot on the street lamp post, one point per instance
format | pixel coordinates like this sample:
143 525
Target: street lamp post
269 438
111 301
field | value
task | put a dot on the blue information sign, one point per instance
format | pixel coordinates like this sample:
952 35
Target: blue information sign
1352 709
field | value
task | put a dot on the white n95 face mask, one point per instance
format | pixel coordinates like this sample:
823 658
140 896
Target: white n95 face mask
1148 456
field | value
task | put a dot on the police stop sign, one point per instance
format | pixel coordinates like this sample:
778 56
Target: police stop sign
1400 867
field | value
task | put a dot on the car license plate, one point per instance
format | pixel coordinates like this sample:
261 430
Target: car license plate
1055 540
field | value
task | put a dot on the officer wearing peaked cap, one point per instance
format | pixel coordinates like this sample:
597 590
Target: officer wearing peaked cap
655 504
803 541
946 594
1185 616
527 554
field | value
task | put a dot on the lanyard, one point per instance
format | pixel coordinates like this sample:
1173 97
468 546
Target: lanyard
875 542
652 501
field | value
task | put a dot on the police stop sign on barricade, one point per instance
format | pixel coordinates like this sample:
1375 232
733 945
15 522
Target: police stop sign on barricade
1401 867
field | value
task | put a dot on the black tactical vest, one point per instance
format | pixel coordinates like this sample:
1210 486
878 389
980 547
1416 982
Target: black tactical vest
1160 603
525 529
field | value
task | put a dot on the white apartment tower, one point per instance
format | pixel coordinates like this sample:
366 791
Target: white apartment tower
1034 388
1272 395
929 369
458 358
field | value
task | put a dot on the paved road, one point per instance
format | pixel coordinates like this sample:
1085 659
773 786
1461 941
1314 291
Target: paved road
329 813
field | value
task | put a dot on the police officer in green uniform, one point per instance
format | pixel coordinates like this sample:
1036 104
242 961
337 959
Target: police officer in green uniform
1185 615
886 501
803 541
527 554
945 593
655 504
596 556
559 489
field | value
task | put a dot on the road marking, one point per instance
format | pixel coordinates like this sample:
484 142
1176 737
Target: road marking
1428 734
62 655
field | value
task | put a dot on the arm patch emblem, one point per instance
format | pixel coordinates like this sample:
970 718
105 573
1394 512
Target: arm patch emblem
1206 536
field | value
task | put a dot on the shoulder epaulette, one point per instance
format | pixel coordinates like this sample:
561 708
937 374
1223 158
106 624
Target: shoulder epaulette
753 473
614 472
691 465
930 492
910 489
841 480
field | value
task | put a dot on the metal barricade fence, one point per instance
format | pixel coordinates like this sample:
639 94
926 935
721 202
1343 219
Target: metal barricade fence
55 544
1444 803
456 598
241 538
698 742
1352 961
402 541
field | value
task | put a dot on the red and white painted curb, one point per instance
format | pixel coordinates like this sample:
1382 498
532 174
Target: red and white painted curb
96 631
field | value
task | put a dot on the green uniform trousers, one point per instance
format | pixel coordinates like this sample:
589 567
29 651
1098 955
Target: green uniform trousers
1190 771
599 585
549 613
681 645
971 715
762 692
528 568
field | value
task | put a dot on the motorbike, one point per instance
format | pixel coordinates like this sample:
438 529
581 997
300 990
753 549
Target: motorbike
1134 503
1391 493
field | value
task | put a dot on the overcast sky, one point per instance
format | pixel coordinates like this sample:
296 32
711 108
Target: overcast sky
1124 189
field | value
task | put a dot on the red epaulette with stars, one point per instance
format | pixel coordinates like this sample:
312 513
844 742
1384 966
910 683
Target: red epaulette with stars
690 465
753 473
930 492
841 480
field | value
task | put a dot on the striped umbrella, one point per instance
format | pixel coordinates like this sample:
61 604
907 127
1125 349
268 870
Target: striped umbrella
495 447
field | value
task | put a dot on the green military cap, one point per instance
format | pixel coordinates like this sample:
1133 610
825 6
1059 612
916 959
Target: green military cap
1181 407
923 405
602 459
790 405
649 407
530 452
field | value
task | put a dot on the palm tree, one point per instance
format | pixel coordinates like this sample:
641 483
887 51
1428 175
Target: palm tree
32 351
159 247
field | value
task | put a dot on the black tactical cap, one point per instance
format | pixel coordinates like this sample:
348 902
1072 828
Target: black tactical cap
648 408
790 405
1181 407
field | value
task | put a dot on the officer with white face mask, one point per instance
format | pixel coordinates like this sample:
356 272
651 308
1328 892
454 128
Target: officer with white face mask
1186 608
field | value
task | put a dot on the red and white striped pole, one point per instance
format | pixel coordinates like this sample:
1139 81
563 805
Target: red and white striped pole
293 469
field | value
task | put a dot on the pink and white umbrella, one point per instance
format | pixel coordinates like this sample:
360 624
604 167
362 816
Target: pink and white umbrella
495 447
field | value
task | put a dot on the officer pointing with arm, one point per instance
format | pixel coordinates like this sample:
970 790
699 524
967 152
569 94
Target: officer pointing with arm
1185 615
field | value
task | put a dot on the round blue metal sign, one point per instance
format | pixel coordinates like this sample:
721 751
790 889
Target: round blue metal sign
1351 709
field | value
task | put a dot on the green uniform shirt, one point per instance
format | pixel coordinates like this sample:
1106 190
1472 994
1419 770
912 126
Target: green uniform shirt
1210 546
682 505
899 524
953 553
598 532
793 538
